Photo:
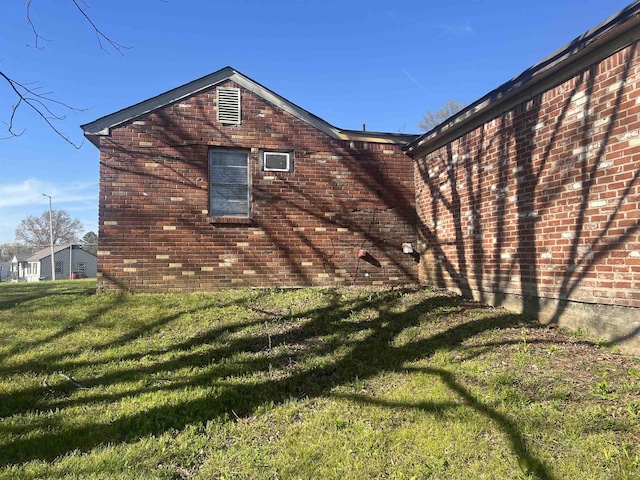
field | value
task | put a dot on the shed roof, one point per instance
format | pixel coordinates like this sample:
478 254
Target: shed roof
103 125
604 39
46 252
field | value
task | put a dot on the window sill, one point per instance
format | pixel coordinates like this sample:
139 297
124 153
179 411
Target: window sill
229 220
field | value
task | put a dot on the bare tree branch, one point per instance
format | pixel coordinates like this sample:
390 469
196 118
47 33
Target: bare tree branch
40 103
33 27
433 118
10 123
99 35
34 230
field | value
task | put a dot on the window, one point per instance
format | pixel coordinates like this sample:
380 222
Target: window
228 183
229 105
276 161
81 267
58 266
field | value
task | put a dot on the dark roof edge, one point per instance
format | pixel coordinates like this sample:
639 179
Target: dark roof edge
380 137
606 38
121 116
102 126
46 252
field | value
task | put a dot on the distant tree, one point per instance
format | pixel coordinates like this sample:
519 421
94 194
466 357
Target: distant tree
35 230
90 242
432 119
8 250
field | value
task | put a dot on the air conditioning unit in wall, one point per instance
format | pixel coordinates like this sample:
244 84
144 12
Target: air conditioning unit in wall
277 162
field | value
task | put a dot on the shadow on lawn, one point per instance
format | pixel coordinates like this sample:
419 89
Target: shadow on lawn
321 331
517 441
14 294
17 295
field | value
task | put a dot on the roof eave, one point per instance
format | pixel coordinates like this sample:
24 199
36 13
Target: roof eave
605 39
400 139
102 126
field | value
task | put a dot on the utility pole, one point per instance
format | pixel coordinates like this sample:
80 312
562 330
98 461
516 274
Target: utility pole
53 262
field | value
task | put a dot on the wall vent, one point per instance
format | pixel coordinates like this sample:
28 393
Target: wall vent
229 106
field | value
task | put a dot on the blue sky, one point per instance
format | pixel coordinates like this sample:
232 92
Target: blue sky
350 62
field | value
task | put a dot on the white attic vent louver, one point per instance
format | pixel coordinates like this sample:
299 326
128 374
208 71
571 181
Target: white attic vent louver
229 106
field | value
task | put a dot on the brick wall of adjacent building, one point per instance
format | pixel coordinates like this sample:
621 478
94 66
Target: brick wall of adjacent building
542 202
306 227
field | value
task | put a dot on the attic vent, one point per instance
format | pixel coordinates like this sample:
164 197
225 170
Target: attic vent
229 106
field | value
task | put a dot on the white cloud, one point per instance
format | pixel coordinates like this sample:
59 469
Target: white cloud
29 192
459 29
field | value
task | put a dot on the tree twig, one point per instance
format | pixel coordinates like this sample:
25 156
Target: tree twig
40 103
72 381
33 27
28 94
100 36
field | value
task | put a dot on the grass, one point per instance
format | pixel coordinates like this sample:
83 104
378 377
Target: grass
311 383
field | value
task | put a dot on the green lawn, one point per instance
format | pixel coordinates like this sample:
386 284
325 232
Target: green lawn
311 383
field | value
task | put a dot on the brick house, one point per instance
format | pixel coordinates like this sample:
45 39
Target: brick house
530 197
222 182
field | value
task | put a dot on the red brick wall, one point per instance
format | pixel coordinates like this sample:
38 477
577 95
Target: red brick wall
306 228
543 200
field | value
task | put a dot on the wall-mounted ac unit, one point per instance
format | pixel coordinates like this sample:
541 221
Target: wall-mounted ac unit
277 162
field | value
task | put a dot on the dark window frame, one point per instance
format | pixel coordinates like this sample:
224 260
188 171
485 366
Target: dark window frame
225 171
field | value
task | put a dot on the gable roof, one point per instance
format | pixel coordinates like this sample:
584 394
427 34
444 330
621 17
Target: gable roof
46 252
102 126
611 35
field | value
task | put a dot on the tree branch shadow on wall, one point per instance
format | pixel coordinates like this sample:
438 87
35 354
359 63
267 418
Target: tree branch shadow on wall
520 173
582 261
182 155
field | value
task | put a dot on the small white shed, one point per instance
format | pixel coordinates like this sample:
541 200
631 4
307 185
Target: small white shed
70 261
